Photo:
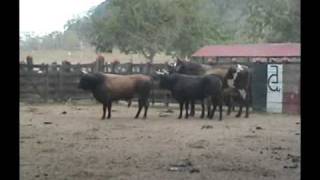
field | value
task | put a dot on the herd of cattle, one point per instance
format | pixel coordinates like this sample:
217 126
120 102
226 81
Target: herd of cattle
188 82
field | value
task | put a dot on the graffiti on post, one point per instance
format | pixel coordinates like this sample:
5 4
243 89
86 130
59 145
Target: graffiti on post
274 85
273 79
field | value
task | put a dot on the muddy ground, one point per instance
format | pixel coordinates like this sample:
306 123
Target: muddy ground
69 141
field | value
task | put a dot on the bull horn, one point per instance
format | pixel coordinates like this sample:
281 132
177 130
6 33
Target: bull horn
159 72
84 72
171 64
165 71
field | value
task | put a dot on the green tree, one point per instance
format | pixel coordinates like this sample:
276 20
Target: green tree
197 24
151 26
273 21
81 26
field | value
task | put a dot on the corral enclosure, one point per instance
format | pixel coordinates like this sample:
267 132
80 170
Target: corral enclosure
59 82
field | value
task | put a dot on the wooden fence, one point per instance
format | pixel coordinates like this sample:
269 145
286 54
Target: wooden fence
59 82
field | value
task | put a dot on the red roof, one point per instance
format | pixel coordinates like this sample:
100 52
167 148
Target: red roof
250 50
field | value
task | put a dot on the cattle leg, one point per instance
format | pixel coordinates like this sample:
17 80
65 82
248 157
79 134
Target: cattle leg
230 105
213 110
192 112
202 109
247 108
140 107
240 110
220 111
209 109
104 106
247 111
109 109
146 105
187 109
229 110
181 108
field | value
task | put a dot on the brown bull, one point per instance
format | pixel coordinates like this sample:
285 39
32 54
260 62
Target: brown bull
111 87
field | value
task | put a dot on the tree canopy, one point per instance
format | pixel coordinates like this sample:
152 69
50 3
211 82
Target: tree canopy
151 26
273 20
175 27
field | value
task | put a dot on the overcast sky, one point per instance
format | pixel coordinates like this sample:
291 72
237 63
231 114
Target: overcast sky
45 16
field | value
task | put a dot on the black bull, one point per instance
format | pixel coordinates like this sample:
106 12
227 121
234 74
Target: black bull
187 88
238 76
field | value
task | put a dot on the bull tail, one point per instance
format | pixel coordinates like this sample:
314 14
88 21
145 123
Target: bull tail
152 91
250 89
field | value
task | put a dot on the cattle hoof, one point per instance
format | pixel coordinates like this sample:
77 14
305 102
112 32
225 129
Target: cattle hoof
237 116
102 118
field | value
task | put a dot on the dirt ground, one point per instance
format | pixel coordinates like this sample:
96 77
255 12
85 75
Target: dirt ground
69 141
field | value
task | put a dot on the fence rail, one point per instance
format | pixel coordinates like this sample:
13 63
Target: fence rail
59 82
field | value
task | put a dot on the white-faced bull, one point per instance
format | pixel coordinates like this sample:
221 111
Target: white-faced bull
111 87
239 77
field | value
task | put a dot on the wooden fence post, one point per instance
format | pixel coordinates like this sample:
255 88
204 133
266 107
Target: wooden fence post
60 85
54 67
77 67
45 68
65 66
100 63
129 70
29 63
114 65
